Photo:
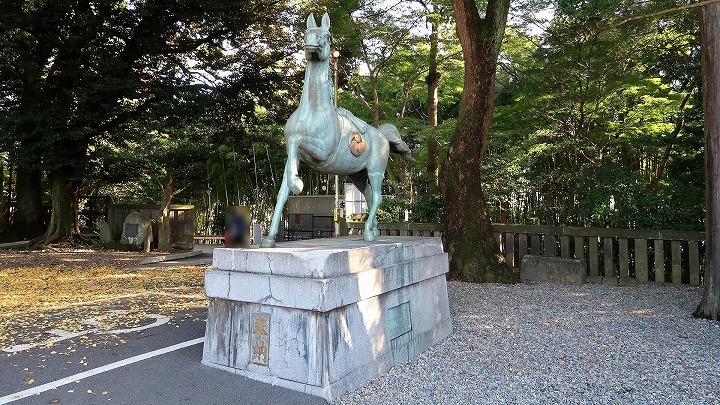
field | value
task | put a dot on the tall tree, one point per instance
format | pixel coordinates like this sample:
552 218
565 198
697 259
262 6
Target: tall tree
28 215
433 81
474 253
76 72
370 34
172 160
710 304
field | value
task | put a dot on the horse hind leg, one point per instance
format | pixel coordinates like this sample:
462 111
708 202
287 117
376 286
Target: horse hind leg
360 180
371 226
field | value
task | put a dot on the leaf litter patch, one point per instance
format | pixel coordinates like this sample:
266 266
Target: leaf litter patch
99 323
62 295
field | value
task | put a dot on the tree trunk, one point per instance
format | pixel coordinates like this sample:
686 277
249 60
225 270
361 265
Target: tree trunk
62 220
433 80
406 99
376 100
4 204
28 216
433 77
710 43
9 194
164 244
679 122
433 166
474 253
164 219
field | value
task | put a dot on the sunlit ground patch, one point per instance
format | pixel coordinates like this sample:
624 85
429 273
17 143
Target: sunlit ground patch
94 300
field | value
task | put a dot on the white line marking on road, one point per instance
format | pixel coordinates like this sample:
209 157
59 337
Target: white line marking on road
159 320
85 374
65 335
62 335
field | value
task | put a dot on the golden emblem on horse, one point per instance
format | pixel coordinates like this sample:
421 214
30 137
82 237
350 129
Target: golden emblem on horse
357 144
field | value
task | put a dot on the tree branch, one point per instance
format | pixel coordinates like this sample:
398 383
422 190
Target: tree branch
157 180
679 122
358 94
192 45
127 115
657 13
180 190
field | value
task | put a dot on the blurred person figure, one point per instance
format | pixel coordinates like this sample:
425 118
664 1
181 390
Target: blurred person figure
237 226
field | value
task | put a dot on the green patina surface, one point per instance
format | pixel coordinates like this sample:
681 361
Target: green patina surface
332 140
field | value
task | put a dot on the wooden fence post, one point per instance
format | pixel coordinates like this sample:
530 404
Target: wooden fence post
659 261
676 262
609 266
509 249
641 256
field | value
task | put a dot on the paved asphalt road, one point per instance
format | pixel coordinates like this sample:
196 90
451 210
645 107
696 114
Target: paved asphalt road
154 361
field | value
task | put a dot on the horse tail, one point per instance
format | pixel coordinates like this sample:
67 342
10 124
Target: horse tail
397 145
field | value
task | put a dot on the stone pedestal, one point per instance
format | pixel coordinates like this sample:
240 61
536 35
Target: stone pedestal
326 315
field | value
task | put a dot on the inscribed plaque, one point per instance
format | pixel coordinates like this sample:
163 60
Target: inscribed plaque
260 338
131 230
399 320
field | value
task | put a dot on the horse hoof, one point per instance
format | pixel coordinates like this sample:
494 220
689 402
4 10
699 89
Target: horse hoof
369 236
268 242
297 186
376 232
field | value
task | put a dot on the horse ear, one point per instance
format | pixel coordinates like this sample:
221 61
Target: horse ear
326 21
311 21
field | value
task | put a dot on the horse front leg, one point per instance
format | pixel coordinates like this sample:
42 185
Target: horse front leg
282 197
371 230
294 182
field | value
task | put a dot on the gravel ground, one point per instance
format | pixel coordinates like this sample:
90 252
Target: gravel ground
540 343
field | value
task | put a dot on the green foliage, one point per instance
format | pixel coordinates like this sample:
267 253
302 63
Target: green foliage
76 73
421 207
116 94
86 87
588 116
632 205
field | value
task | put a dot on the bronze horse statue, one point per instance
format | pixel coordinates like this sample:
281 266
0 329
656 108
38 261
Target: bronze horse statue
332 140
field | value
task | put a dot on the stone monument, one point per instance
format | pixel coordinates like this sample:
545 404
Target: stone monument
105 232
323 316
137 230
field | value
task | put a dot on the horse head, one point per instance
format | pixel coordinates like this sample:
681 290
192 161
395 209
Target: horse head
317 39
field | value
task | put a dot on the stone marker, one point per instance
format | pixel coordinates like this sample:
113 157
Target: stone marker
546 269
257 234
323 316
137 230
105 232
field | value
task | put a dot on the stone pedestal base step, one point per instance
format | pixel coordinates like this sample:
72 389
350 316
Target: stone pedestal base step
325 316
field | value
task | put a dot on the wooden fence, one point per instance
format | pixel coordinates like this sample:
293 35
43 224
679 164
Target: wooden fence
612 255
209 240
